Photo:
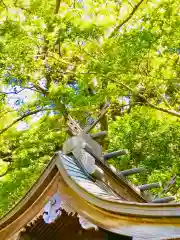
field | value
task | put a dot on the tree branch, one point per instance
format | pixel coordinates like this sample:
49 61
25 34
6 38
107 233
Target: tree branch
58 2
4 5
130 4
126 19
22 8
23 117
172 112
25 88
7 159
7 93
76 73
40 89
165 101
147 103
59 49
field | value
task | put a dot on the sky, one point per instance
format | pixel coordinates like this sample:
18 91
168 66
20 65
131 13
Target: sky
16 100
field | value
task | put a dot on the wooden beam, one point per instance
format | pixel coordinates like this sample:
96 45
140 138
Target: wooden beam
99 134
132 171
163 200
149 186
169 184
88 128
115 154
113 169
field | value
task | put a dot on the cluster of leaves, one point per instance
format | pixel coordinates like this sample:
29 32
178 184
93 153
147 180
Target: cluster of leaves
30 150
152 140
70 57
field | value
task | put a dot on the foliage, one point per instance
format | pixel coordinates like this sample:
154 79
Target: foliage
153 143
71 58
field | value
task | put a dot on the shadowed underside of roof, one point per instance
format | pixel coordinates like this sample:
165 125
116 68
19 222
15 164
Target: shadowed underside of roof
66 225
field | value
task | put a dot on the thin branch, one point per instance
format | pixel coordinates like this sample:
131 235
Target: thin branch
7 159
4 5
115 74
29 88
59 49
23 117
165 101
33 89
148 59
75 73
126 19
130 4
147 103
4 94
22 8
172 112
7 93
40 89
48 81
58 3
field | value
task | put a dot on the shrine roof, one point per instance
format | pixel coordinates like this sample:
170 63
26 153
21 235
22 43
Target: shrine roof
108 204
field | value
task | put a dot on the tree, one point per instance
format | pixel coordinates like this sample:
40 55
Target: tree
70 57
153 143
